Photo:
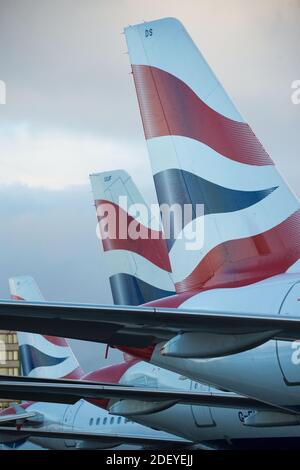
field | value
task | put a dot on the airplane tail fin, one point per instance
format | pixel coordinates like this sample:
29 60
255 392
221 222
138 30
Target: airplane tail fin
139 268
204 156
42 356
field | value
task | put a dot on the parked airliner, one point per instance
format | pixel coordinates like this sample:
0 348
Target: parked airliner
209 425
82 425
235 316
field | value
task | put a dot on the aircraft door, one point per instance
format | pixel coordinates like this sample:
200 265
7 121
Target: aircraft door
68 421
201 414
288 352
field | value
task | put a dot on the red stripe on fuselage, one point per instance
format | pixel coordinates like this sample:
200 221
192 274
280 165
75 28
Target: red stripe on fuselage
169 107
150 244
174 301
110 375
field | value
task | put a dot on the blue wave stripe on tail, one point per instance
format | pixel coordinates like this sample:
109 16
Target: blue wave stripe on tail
129 290
31 358
181 187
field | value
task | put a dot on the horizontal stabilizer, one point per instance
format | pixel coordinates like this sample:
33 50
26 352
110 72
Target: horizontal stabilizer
19 417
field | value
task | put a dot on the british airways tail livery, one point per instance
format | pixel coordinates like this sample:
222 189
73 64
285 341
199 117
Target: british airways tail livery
42 355
202 152
139 269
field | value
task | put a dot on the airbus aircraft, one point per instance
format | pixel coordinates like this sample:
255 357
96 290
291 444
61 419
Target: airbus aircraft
235 315
212 426
44 360
81 425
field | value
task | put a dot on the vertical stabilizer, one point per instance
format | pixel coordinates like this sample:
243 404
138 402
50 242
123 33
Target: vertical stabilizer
41 355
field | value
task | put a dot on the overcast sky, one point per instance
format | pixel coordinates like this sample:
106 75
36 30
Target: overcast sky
71 110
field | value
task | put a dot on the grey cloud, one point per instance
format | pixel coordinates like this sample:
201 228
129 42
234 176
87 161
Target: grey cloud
64 64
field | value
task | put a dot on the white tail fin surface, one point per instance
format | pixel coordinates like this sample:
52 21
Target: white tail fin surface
139 269
41 355
203 152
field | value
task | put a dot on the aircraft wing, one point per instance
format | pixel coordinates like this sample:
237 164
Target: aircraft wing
70 391
112 439
140 327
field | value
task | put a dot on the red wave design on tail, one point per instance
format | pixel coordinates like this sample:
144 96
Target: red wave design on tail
247 260
75 374
151 245
169 107
16 297
56 340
